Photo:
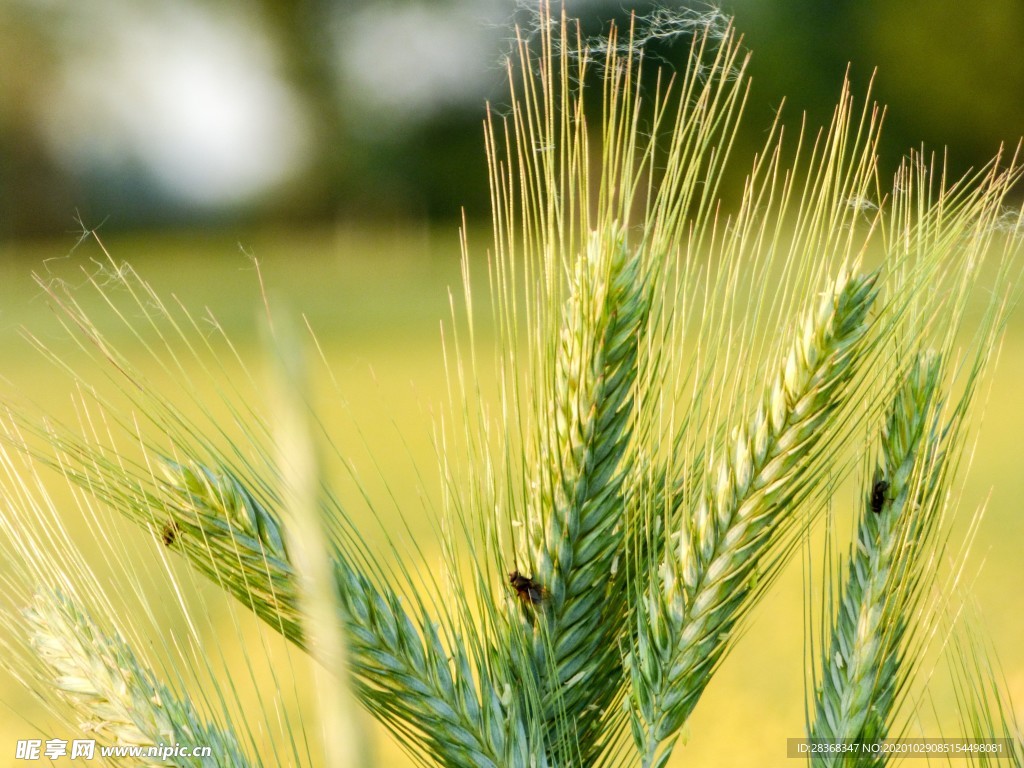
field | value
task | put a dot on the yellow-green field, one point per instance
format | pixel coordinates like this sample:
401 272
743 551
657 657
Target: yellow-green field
376 301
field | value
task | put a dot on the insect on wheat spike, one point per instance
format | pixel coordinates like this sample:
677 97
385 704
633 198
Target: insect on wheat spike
170 532
878 496
527 590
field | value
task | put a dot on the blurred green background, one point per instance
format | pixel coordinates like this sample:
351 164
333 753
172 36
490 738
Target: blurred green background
339 141
188 112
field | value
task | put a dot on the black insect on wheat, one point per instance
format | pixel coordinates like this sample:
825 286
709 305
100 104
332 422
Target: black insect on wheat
878 497
527 590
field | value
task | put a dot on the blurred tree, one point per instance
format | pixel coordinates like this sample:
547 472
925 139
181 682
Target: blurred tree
303 31
950 72
33 188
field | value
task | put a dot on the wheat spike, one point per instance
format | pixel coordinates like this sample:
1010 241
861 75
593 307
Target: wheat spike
579 505
861 675
686 619
403 672
115 697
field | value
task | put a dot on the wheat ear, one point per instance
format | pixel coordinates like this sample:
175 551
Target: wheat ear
578 508
592 331
685 620
117 698
862 662
402 670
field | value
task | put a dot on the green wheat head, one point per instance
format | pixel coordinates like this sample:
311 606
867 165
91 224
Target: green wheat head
117 698
862 673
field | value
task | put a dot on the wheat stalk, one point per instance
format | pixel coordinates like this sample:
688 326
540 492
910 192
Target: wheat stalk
410 670
590 337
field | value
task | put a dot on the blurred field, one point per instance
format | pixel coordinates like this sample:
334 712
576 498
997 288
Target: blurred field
376 301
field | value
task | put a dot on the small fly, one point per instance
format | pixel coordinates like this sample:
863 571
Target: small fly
527 590
878 496
170 532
